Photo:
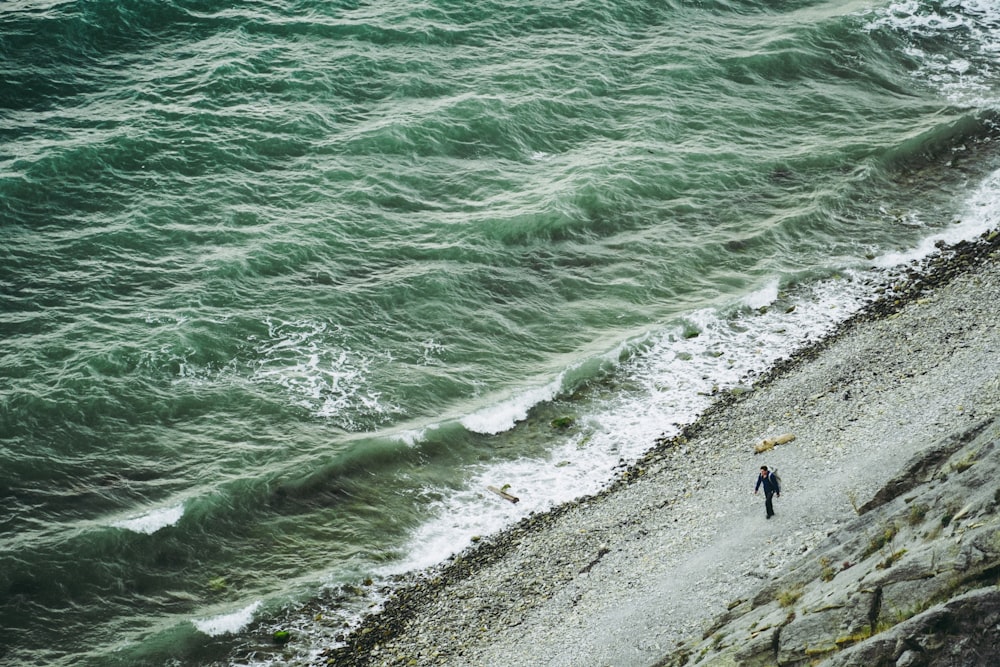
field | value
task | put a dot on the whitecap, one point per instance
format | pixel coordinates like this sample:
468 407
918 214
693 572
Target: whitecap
503 416
153 520
413 437
227 623
762 297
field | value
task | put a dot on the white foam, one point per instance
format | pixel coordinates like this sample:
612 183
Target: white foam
983 208
539 484
503 416
321 376
412 437
153 520
980 213
227 623
966 79
762 297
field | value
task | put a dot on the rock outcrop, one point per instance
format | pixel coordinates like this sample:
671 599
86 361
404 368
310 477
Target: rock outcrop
912 581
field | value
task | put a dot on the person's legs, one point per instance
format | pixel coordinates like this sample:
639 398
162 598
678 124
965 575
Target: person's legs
768 505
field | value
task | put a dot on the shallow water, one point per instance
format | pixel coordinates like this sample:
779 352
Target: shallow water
285 287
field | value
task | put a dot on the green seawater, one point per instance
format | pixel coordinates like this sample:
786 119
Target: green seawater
283 284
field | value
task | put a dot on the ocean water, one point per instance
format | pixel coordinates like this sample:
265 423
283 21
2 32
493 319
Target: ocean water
286 285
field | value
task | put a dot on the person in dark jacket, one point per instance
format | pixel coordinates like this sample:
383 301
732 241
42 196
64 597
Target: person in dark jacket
771 488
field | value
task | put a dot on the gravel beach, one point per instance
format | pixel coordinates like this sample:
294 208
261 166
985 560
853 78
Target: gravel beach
623 577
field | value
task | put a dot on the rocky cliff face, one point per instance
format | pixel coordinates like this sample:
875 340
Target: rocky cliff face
912 581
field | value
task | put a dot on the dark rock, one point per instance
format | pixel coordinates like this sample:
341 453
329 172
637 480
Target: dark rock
965 631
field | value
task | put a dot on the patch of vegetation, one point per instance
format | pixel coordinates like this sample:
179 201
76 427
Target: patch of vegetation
917 514
887 622
965 463
880 540
850 640
852 496
820 650
826 573
890 559
562 422
789 597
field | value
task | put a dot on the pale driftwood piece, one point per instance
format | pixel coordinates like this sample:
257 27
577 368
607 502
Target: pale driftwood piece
503 494
769 443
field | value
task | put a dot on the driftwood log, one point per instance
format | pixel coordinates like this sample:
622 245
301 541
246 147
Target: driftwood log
503 494
768 443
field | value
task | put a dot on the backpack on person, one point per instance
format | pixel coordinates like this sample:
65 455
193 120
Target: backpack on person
777 480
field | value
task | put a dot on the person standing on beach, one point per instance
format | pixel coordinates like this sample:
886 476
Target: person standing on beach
771 488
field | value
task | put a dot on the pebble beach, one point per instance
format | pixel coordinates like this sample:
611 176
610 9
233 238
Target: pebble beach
629 575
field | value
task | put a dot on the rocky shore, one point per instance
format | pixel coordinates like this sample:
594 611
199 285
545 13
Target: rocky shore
885 549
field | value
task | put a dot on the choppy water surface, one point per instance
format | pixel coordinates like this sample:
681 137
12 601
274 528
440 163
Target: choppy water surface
286 285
